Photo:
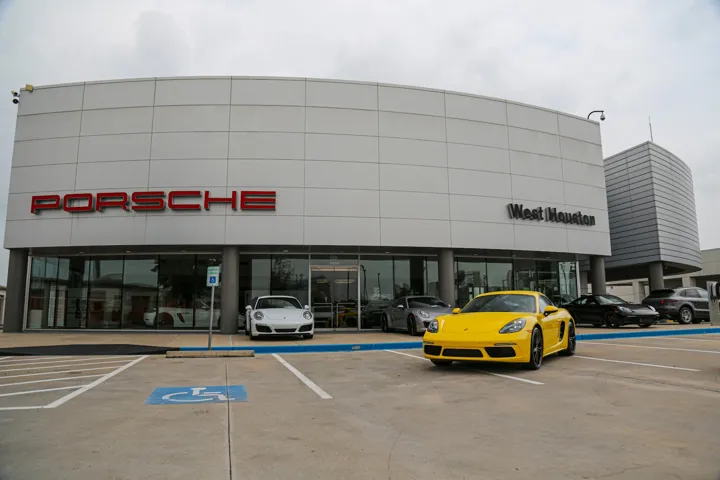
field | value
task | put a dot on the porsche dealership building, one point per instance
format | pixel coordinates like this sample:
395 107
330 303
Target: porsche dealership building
346 195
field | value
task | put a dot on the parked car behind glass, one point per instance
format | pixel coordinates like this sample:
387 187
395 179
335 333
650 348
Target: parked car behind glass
610 311
686 305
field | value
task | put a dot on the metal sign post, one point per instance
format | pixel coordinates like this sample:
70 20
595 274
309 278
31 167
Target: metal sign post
212 281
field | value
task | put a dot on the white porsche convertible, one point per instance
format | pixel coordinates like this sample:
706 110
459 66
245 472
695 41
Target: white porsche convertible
278 315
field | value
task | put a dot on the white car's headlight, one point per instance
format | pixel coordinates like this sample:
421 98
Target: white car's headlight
433 327
513 326
258 316
423 314
307 315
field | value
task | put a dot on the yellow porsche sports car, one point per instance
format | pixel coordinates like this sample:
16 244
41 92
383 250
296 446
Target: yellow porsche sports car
513 326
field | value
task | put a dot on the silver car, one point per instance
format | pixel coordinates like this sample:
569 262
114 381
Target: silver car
413 314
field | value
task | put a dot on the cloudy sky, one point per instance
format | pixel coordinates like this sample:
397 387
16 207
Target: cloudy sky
633 58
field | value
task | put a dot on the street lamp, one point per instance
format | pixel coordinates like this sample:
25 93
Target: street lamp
601 112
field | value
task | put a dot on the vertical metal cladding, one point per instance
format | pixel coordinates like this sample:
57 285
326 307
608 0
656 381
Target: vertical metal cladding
651 208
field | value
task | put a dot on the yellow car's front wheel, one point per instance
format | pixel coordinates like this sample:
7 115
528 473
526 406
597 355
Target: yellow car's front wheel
536 350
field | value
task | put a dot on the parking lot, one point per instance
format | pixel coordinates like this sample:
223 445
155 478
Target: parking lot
644 408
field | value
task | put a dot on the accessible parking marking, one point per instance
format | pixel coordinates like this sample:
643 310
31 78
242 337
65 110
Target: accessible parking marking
310 384
637 363
194 395
501 375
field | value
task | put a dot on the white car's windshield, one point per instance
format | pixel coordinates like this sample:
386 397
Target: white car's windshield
501 303
425 302
275 302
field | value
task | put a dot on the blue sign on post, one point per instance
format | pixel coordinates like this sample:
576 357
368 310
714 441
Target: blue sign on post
196 395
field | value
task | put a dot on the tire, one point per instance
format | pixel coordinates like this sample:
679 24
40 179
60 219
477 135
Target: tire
308 336
644 325
572 342
537 350
686 316
247 327
165 320
384 323
412 326
611 320
441 363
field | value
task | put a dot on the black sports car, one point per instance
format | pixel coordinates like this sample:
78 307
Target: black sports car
611 311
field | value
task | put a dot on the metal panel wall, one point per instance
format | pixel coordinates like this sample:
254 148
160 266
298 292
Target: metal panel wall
352 163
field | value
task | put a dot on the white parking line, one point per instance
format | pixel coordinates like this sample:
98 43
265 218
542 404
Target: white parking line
716 342
509 377
58 366
320 392
54 373
94 384
68 361
19 408
636 363
593 342
8 360
27 392
49 380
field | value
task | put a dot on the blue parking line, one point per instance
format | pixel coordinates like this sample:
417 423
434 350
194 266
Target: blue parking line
354 347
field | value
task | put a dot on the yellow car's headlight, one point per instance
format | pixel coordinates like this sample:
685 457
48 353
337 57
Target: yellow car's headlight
513 326
433 327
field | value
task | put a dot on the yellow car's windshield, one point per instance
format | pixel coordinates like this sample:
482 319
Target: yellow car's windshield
502 302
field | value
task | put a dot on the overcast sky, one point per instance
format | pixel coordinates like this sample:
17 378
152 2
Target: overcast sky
633 59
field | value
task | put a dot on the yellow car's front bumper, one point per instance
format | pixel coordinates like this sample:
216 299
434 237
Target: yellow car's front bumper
513 347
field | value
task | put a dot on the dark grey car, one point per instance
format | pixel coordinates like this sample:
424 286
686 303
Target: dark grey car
413 314
686 305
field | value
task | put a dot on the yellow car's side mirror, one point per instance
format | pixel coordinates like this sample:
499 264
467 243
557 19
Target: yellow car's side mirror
550 309
456 311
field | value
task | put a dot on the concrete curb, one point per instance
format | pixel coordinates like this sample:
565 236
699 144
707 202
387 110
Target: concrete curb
353 347
209 354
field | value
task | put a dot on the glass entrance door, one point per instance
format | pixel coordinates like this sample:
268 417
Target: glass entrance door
334 295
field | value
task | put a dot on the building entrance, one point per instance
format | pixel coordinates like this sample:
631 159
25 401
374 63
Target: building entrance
334 294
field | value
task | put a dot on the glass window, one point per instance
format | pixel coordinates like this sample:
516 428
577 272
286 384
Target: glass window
76 313
432 286
547 280
105 295
139 286
275 302
37 308
376 289
501 303
61 303
401 278
702 292
568 281
420 302
692 293
580 301
543 302
176 288
471 279
499 275
288 276
346 260
525 275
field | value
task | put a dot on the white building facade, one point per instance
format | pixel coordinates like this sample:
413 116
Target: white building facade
347 195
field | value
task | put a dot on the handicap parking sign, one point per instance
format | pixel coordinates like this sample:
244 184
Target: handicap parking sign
196 395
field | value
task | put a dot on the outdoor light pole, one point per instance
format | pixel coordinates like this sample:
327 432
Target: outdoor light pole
601 112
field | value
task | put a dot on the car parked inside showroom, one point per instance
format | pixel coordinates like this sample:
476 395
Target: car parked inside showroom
610 311
182 317
511 326
685 305
278 315
412 314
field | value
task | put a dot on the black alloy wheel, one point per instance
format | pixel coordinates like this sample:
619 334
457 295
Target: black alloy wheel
644 325
686 316
536 350
572 342
611 320
412 325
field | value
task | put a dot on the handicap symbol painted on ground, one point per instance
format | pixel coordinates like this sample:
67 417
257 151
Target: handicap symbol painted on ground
195 395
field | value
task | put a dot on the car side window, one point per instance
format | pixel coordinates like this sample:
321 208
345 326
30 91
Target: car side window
580 301
703 293
692 293
549 302
683 293
543 302
397 303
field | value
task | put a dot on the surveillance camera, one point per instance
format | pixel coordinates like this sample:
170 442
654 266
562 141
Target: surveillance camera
602 116
14 93
16 101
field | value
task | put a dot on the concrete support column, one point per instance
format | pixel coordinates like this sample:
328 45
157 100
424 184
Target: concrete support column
583 281
15 297
230 291
688 281
656 276
446 276
638 291
597 274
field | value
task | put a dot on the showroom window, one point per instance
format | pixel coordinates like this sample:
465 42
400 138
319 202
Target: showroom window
140 291
105 299
568 282
470 279
500 276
